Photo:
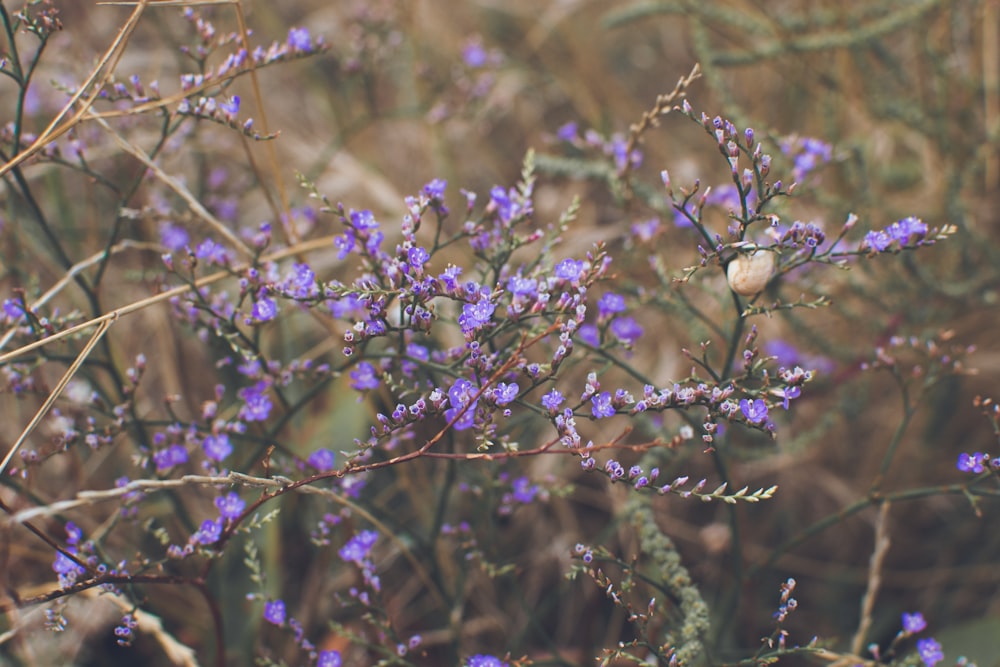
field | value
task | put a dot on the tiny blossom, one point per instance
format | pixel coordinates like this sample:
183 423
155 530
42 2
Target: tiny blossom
212 252
474 54
173 237
521 286
505 393
480 660
274 612
173 455
627 330
230 505
458 397
878 241
298 39
12 309
609 304
755 412
264 309
590 335
972 462
913 623
568 131
217 447
208 533
904 230
569 269
645 230
257 404
476 315
435 189
358 547
449 278
329 659
788 394
417 256
601 405
363 377
929 651
552 400
322 460
301 281
523 490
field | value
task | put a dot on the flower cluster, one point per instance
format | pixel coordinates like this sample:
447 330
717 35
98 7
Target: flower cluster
905 233
275 613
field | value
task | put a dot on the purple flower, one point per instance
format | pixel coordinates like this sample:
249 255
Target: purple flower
480 660
879 241
552 400
609 304
329 659
505 393
230 505
66 567
209 532
344 244
808 154
417 256
913 623
755 412
601 405
232 107
358 547
458 397
971 462
449 278
474 54
302 281
322 460
521 286
298 39
217 447
435 189
569 269
589 334
523 490
256 403
264 309
476 315
645 230
363 377
174 455
173 237
788 394
929 651
363 220
73 533
212 252
903 230
12 309
627 330
274 612
568 132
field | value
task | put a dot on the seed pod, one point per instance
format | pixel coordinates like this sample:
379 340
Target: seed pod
748 273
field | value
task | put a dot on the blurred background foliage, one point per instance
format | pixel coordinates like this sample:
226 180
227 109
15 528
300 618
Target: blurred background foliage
907 93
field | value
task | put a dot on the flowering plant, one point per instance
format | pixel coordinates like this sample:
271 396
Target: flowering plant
414 434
